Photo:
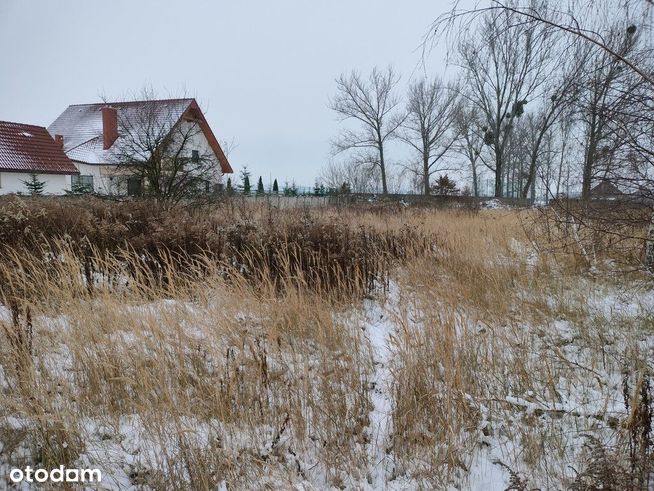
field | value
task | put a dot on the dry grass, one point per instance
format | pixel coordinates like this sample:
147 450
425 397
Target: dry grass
501 342
251 364
237 364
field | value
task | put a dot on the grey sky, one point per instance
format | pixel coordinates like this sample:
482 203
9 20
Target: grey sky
262 71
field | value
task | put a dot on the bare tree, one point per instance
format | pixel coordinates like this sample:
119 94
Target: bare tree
429 126
470 141
516 156
373 105
602 95
558 158
157 147
337 176
228 146
561 16
555 104
612 60
616 104
505 64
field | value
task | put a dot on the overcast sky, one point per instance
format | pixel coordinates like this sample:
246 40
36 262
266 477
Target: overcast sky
262 71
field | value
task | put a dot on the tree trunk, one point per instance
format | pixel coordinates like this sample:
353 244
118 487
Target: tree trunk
649 247
499 177
533 192
530 178
532 165
589 160
425 170
475 185
587 172
383 170
498 184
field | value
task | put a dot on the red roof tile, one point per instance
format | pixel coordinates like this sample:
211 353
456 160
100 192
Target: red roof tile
28 148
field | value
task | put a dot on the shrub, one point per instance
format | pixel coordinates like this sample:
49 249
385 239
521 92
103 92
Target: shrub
165 246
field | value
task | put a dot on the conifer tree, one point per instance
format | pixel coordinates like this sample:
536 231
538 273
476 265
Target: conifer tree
245 180
275 188
34 185
260 189
445 186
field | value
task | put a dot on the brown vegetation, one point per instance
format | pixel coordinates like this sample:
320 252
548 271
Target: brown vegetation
246 354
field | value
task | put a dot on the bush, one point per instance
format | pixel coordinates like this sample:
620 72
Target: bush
283 250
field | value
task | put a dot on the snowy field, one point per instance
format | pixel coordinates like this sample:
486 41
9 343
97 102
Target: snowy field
507 369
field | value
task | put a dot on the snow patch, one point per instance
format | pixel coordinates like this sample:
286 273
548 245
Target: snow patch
493 204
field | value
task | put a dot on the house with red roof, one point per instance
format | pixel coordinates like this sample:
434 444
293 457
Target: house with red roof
25 150
95 137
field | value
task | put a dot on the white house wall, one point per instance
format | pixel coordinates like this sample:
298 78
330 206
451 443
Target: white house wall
104 177
198 141
107 180
14 182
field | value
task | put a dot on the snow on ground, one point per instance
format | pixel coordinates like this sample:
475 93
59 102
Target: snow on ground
485 474
378 328
5 314
485 471
493 204
124 448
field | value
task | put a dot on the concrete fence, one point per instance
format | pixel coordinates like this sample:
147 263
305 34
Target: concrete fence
356 199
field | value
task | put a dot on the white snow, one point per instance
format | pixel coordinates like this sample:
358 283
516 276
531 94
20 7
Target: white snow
493 204
590 394
378 329
5 314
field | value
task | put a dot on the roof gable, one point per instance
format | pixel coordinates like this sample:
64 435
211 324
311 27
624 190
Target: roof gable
81 126
29 148
605 188
213 141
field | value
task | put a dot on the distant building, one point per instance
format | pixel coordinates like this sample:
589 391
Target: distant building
606 190
26 149
91 133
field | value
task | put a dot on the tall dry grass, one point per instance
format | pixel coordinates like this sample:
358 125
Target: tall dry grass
503 342
224 348
252 373
209 335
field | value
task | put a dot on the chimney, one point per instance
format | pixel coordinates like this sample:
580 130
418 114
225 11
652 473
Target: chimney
59 139
109 126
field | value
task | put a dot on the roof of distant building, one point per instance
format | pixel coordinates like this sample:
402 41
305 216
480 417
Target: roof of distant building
82 126
29 148
605 188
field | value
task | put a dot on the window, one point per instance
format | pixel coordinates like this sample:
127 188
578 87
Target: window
195 156
134 185
81 184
